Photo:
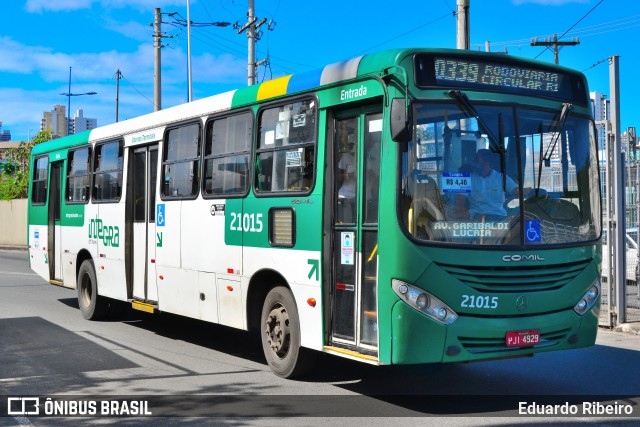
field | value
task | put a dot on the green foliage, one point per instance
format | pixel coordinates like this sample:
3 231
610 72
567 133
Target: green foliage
14 175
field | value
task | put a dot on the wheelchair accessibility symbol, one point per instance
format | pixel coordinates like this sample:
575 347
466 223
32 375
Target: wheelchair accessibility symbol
160 215
532 231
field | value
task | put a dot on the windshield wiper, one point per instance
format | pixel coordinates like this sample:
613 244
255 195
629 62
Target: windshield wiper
462 101
557 126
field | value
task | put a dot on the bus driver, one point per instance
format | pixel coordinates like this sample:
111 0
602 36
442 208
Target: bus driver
487 196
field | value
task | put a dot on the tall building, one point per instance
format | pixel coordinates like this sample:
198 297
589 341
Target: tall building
81 123
55 121
5 135
601 108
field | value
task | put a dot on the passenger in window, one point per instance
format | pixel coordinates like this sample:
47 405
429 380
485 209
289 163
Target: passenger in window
486 200
347 180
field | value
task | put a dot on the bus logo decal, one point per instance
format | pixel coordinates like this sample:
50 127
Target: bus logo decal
110 235
522 303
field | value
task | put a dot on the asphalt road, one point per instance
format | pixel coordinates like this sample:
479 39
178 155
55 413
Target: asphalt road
183 369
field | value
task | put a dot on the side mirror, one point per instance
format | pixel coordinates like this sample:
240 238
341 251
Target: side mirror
401 128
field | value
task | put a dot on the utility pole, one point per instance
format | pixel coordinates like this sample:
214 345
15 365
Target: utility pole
555 43
118 76
252 35
617 186
188 24
462 24
190 92
157 45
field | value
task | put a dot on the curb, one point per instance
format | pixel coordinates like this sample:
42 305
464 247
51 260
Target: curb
631 328
13 248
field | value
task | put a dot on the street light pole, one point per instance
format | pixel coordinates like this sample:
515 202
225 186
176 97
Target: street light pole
69 95
189 47
188 24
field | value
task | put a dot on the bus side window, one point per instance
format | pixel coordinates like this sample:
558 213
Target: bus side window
78 175
40 180
285 156
181 163
227 150
107 182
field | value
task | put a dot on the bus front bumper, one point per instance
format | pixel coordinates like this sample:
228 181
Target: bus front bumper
419 339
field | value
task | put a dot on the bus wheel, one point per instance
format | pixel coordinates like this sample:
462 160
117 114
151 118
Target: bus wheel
280 332
92 305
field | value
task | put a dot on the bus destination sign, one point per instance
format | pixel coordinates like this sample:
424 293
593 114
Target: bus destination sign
479 73
498 74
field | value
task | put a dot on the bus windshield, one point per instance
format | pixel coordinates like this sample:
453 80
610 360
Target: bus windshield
480 174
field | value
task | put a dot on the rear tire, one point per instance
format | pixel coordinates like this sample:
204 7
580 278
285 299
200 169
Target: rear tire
92 305
280 335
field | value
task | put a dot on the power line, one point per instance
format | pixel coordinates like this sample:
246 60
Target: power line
591 30
572 27
135 88
404 34
596 64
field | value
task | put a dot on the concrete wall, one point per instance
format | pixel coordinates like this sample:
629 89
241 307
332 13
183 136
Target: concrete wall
13 222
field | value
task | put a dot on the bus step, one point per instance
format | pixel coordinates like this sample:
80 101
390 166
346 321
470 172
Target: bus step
350 354
144 306
56 282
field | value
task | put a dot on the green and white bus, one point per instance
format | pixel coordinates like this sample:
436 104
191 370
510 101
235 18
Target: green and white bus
402 207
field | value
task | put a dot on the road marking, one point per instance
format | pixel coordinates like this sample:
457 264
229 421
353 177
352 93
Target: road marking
20 274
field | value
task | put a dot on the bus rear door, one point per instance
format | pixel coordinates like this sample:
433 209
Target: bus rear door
354 229
143 172
54 226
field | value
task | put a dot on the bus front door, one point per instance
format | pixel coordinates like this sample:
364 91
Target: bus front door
54 227
143 172
354 229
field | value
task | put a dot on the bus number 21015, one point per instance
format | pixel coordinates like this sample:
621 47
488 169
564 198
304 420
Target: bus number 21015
251 223
472 301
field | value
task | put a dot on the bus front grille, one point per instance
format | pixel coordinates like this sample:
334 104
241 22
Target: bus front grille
493 345
516 279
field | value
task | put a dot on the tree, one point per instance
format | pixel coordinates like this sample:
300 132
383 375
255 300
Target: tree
14 175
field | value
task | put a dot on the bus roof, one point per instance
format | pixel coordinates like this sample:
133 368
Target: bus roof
335 73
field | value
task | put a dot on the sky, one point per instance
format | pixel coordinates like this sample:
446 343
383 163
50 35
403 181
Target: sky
41 39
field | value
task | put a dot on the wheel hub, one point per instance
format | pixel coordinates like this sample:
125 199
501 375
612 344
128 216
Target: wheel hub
278 333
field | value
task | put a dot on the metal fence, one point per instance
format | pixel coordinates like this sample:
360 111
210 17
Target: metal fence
630 313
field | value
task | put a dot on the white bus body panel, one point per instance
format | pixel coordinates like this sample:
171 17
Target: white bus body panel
294 267
75 239
203 246
38 238
109 263
208 288
178 291
168 255
231 301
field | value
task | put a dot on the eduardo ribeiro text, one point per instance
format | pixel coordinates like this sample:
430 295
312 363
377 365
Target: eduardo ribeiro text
587 408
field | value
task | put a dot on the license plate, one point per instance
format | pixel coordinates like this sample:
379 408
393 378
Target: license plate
522 338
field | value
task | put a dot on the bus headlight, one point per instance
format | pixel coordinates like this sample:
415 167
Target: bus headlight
587 301
424 302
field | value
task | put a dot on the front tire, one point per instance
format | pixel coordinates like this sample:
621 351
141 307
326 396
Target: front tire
280 335
92 305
